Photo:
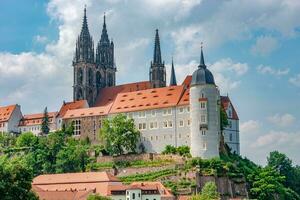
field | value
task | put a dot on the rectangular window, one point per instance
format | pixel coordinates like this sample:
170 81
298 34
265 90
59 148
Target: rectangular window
165 124
202 105
204 145
188 122
167 111
153 113
181 123
230 137
153 125
179 135
203 119
188 109
142 126
77 127
156 137
229 124
130 115
142 114
170 124
181 110
203 132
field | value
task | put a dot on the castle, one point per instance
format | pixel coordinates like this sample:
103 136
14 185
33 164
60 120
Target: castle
178 114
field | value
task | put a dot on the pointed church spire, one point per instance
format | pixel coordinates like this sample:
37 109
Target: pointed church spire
173 81
84 46
104 35
202 63
157 53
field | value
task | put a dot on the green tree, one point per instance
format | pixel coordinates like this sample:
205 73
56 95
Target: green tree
26 140
268 184
72 158
45 122
15 179
223 118
208 192
119 135
282 164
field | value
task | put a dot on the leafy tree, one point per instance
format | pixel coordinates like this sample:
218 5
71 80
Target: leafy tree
7 140
26 140
268 184
282 164
97 197
45 122
15 179
72 158
119 135
223 118
209 192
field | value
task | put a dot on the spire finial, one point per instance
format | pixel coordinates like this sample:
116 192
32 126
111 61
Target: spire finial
173 81
202 63
157 53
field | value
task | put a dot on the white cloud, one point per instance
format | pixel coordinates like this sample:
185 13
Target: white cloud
250 126
295 80
276 139
228 65
263 69
282 119
264 45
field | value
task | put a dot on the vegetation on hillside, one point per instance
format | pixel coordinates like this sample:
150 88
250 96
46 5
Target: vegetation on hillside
181 150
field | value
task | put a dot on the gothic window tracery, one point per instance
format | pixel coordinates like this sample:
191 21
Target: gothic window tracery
98 79
80 76
90 77
79 94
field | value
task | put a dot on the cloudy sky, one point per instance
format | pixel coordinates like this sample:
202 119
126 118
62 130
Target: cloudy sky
252 48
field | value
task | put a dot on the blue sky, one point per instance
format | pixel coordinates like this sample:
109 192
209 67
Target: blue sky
252 48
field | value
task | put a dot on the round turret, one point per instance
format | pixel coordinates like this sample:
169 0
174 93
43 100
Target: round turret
205 113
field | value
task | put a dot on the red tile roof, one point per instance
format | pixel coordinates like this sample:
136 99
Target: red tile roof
109 94
6 112
225 101
85 181
68 178
88 112
36 119
62 194
71 106
147 99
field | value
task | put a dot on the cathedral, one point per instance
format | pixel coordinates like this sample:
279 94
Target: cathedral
93 71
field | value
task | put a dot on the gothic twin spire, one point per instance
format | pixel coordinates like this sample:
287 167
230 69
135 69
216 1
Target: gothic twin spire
85 45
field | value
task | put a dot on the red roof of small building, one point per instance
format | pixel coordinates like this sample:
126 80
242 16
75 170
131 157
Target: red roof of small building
225 101
36 119
71 106
98 182
6 112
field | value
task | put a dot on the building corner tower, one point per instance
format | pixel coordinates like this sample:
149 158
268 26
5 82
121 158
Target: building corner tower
205 113
84 66
157 73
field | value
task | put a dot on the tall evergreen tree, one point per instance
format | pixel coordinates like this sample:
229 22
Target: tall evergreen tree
45 122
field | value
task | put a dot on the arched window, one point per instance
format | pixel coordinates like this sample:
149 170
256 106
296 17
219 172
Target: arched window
79 76
98 79
79 94
90 76
110 80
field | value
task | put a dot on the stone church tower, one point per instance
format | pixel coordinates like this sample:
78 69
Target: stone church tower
91 74
157 74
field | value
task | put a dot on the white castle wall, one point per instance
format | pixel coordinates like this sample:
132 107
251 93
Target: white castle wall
207 145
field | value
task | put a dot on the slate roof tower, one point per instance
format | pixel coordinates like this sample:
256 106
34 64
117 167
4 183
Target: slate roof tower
157 74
